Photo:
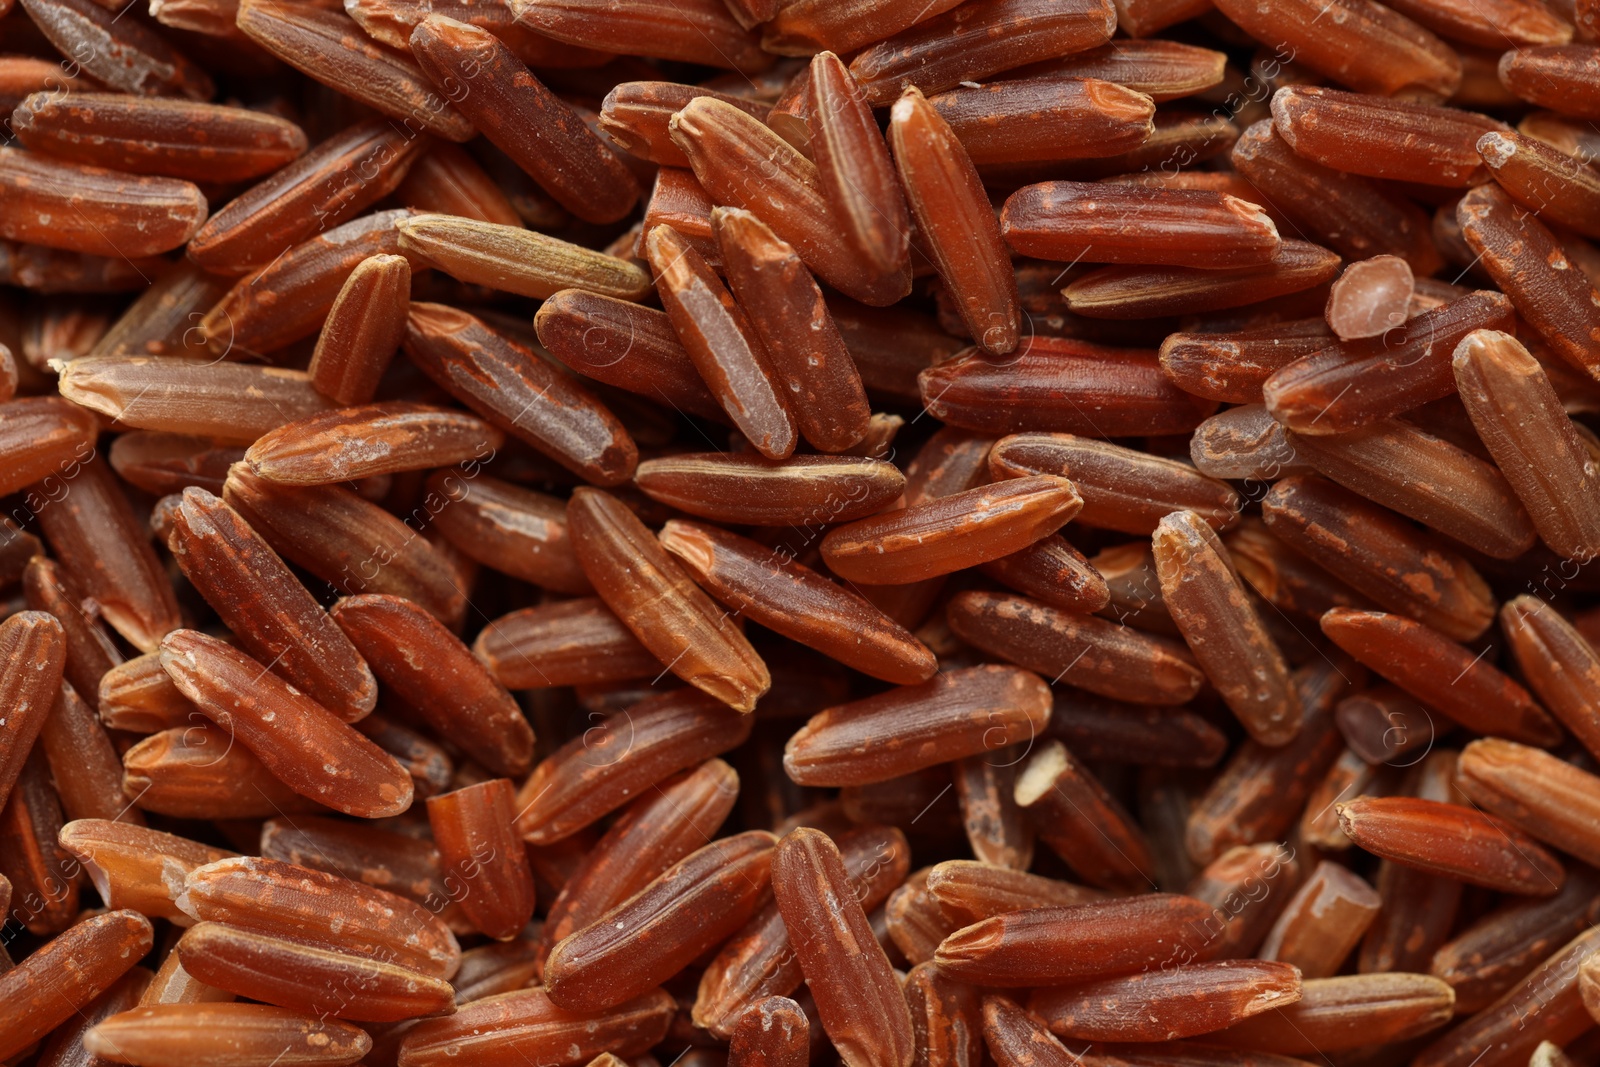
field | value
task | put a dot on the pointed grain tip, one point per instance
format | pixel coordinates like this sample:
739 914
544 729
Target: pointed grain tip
970 943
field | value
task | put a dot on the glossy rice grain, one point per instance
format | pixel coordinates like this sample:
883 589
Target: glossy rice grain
721 339
1018 1038
514 110
759 960
34 647
951 533
1562 187
1175 1003
747 490
1062 945
859 1002
808 26
970 891
163 463
167 137
231 401
329 47
853 165
1547 798
645 940
301 742
363 330
1208 601
693 31
511 1028
290 298
568 642
314 907
350 543
1081 650
1520 420
1069 221
620 756
337 180
418 659
1347 1012
1060 385
1354 383
368 440
196 770
961 632
1122 489
1348 213
1136 292
957 714
1528 262
636 114
955 222
384 859
83 761
1052 571
971 43
61 978
1364 45
1559 663
1426 478
656 599
167 1035
513 530
1382 138
1496 25
653 833
1442 674
625 345
1048 118
89 209
1381 556
743 163
806 357
307 978
519 392
1557 76
91 528
479 845
271 614
1452 840
1161 69
43 436
772 589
